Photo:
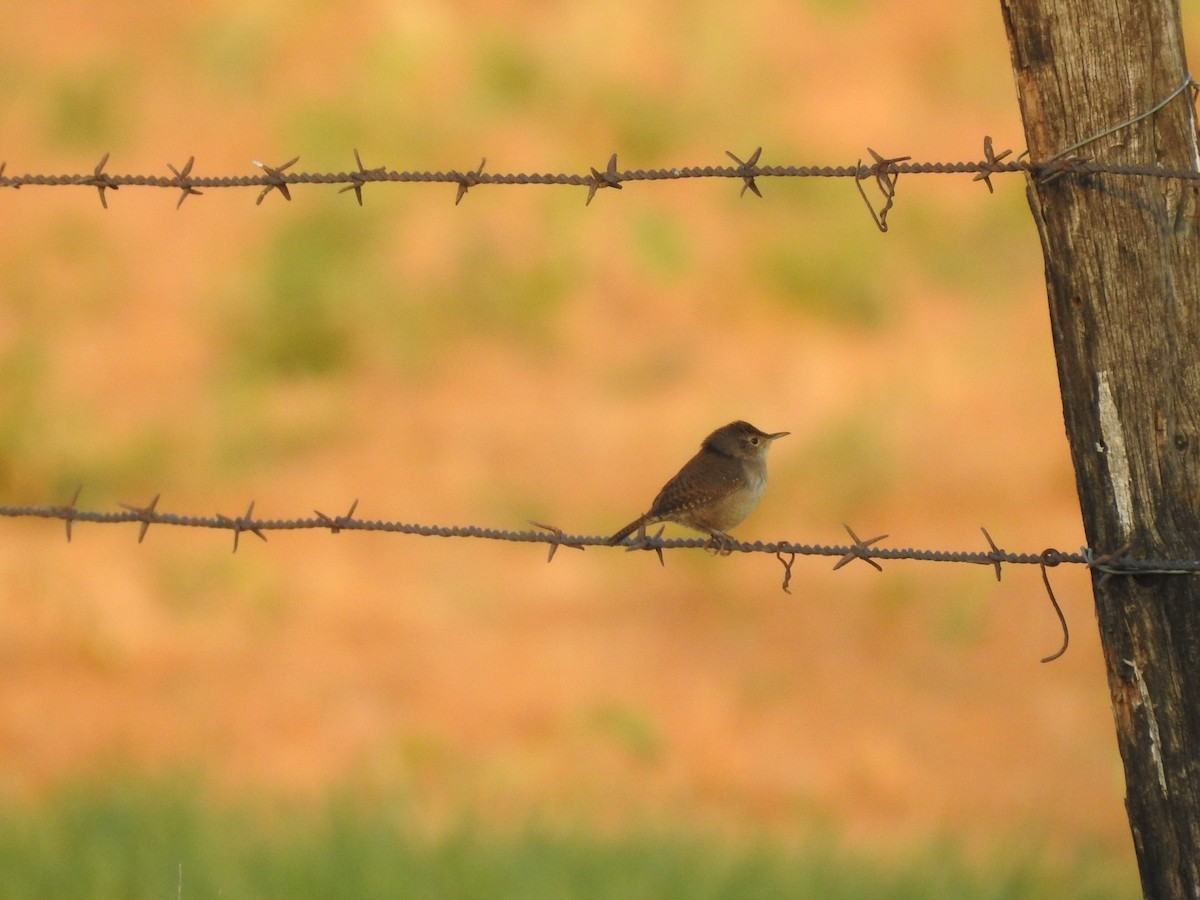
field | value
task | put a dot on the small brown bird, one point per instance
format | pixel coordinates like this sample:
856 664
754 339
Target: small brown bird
718 487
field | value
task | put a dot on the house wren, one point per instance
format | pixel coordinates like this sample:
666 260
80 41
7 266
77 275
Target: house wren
718 487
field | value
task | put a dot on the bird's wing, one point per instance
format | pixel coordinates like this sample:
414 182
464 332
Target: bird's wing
705 479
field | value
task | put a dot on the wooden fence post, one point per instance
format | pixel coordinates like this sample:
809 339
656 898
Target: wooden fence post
1122 258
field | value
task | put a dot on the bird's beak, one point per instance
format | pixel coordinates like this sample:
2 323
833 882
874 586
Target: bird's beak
777 435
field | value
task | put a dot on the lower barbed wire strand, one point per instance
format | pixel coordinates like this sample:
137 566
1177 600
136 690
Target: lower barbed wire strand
1110 564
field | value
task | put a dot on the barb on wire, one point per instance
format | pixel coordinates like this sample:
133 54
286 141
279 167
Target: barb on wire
991 158
748 171
100 181
144 513
67 511
997 555
469 180
640 542
242 523
886 173
858 550
357 178
609 178
336 525
560 539
276 179
181 177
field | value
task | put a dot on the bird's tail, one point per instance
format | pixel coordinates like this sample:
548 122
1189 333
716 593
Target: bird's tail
627 530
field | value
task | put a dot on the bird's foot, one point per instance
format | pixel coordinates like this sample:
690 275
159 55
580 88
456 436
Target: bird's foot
721 543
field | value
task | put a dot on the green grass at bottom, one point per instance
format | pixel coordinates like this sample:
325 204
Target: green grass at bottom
144 840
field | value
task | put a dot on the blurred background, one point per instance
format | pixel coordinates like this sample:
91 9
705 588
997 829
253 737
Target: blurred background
321 708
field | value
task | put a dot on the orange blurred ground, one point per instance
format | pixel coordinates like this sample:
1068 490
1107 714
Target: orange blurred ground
890 707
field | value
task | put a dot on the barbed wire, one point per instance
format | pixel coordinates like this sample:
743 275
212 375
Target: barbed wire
1118 562
883 173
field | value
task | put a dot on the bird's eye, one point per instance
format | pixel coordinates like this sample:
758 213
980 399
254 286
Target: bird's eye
754 441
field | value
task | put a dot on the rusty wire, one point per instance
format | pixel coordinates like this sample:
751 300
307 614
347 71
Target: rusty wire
1118 562
882 172
148 515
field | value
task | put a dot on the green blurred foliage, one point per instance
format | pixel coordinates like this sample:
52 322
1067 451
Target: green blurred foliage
232 47
970 251
495 293
817 282
854 444
89 108
661 243
22 429
298 321
508 73
133 839
629 729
